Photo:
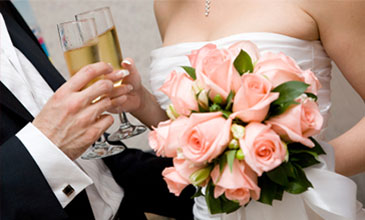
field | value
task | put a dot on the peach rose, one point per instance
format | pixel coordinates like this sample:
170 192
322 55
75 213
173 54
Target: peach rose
298 122
164 139
177 177
206 136
215 71
311 79
174 181
239 185
179 88
262 147
280 68
252 101
249 47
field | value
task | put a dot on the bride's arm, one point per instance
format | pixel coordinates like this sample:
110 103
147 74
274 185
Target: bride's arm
341 26
137 100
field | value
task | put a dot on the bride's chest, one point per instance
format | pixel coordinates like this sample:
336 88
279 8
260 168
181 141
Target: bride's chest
187 22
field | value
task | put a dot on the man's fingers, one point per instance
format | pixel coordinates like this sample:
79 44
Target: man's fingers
94 111
100 88
100 126
88 73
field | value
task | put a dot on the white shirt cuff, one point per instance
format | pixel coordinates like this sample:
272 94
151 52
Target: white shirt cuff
58 169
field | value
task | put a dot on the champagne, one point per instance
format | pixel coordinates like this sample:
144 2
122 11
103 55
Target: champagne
82 56
109 50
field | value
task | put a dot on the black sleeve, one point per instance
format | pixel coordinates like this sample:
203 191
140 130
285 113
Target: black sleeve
140 175
24 191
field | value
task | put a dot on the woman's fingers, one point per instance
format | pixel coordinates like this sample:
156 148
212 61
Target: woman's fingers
117 75
123 89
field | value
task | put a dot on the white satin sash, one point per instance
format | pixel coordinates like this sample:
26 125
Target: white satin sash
333 197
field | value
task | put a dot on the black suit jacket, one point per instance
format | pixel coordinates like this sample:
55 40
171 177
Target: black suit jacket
24 191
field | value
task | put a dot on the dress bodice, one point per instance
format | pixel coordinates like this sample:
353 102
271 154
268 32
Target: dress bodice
308 55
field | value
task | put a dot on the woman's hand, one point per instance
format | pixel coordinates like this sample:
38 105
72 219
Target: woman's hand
132 97
129 95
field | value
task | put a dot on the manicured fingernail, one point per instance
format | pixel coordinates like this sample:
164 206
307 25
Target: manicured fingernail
122 73
129 87
111 66
127 62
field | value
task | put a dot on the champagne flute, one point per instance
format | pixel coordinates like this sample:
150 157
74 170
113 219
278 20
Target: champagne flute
79 42
110 52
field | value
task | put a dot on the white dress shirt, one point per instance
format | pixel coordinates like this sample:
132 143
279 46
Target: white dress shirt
24 81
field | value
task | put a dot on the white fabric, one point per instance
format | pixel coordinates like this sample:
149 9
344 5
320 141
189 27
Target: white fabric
24 81
333 196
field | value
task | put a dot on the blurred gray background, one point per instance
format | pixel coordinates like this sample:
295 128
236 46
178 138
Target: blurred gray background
138 35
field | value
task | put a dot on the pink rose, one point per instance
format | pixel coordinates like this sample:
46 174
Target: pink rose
215 71
164 139
298 122
177 177
174 181
179 88
239 185
311 79
280 68
206 136
262 147
249 47
252 101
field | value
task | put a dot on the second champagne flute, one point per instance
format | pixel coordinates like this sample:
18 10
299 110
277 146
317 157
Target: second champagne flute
109 52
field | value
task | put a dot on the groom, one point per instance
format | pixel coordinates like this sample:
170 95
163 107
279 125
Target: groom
39 175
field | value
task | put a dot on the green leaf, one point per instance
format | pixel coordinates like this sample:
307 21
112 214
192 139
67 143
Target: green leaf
303 160
220 204
311 95
218 99
279 193
269 189
289 91
229 101
277 109
317 147
215 108
279 175
190 71
222 163
197 193
300 183
289 169
226 114
243 63
228 206
231 155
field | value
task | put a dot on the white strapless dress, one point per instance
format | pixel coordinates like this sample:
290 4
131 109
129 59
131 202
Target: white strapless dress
333 197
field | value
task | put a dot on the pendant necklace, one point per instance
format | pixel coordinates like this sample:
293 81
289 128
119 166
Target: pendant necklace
207 7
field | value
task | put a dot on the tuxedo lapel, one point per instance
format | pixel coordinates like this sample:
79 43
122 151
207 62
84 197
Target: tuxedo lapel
34 54
11 102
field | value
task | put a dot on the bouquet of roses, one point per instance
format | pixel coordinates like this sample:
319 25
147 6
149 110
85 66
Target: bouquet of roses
240 126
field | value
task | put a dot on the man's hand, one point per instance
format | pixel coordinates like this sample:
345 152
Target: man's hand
69 119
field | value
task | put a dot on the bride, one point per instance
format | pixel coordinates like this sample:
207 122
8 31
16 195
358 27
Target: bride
311 32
